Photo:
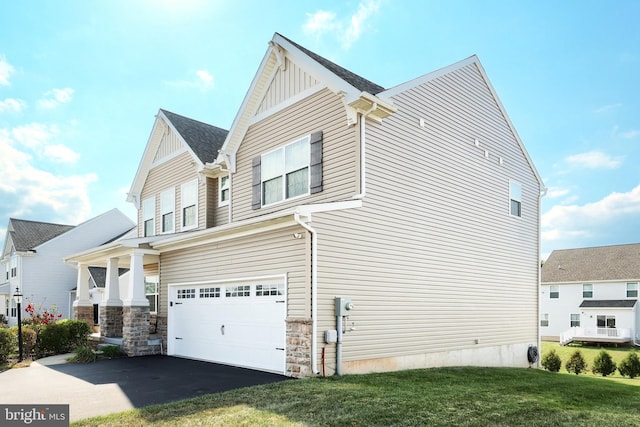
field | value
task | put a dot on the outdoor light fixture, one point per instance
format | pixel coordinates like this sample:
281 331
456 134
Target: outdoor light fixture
18 299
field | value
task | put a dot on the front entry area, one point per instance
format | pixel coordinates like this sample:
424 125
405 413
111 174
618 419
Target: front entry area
240 322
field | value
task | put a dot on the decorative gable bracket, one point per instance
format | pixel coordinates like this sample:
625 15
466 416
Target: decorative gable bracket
366 104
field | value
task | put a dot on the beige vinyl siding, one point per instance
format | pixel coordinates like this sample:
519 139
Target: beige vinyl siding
169 144
322 111
286 84
433 261
263 254
216 215
172 174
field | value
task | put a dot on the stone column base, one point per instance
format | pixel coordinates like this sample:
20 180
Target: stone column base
110 321
82 312
299 348
135 332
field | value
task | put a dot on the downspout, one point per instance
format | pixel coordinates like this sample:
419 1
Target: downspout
314 291
363 145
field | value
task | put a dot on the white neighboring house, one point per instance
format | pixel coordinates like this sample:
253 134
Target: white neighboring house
32 260
590 294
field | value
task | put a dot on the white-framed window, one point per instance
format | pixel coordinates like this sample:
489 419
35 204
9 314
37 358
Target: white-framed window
604 321
14 308
186 293
544 319
270 290
224 192
575 320
210 292
167 210
238 291
554 291
151 284
189 204
515 198
14 266
587 291
6 266
285 172
149 216
632 290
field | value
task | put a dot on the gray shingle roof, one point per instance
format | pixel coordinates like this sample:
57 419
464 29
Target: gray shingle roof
27 235
99 275
619 262
205 140
353 79
615 303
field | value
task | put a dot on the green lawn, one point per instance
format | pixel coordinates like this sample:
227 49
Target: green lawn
445 396
588 352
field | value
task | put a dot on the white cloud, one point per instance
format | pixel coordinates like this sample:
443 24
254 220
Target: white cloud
555 192
34 135
11 105
61 154
607 108
630 134
203 81
594 160
616 216
55 97
30 191
347 30
6 70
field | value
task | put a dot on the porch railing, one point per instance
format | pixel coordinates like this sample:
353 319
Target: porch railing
593 334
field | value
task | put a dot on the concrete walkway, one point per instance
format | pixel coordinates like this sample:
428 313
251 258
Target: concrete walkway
110 386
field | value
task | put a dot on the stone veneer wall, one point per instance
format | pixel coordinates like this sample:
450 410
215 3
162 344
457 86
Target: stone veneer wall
299 348
110 321
162 332
135 332
83 313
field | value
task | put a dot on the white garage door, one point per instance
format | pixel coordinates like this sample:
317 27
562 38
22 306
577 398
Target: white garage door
239 323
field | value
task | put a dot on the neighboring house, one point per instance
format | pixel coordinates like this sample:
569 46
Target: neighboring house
591 294
338 226
32 259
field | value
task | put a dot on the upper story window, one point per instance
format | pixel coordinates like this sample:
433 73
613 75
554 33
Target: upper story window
167 210
290 171
224 190
14 266
149 216
7 268
632 290
189 205
587 291
554 291
515 197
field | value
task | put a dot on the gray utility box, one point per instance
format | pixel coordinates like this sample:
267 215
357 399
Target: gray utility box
343 306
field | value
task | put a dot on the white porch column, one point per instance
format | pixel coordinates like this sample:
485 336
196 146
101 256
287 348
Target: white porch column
111 295
136 296
82 287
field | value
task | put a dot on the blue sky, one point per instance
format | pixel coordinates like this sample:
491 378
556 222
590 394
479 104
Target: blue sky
80 83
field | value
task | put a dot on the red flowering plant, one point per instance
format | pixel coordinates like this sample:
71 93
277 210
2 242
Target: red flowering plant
38 316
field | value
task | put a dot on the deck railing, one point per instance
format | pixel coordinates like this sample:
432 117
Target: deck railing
593 334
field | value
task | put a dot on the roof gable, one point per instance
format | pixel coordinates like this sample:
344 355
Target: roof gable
28 235
201 140
618 262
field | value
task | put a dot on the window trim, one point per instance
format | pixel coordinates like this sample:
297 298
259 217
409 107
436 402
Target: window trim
145 217
222 188
584 291
574 323
183 207
544 320
170 209
284 172
155 279
515 198
552 292
634 290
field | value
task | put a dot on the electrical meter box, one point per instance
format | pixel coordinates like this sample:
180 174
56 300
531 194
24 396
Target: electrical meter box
343 306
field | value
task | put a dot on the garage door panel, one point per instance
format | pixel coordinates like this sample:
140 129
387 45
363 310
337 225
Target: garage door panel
237 324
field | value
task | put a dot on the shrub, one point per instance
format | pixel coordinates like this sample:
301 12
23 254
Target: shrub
79 330
603 364
576 363
54 339
111 351
84 354
630 365
29 340
8 343
551 361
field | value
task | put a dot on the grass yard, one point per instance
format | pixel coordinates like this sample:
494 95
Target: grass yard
462 396
588 352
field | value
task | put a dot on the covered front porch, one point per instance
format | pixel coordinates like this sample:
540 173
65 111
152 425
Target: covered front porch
124 310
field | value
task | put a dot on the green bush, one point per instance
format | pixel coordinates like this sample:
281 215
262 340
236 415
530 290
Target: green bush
29 340
84 354
551 361
111 351
630 365
54 339
8 344
603 364
79 330
576 363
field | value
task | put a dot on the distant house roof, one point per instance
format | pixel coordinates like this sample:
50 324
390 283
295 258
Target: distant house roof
99 275
27 235
617 303
619 262
353 79
205 140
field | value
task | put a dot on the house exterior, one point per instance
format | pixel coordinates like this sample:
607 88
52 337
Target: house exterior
337 227
591 294
32 259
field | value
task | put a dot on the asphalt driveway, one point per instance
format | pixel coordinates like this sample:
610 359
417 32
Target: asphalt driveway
116 385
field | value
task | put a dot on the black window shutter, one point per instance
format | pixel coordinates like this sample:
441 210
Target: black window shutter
315 168
256 199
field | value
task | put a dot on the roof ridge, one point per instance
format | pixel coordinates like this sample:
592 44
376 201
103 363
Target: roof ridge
41 222
597 247
193 120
